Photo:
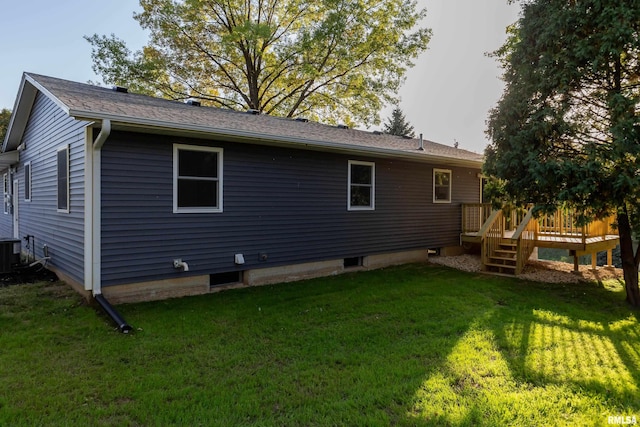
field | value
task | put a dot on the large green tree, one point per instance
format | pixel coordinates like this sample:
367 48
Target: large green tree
567 128
332 60
5 116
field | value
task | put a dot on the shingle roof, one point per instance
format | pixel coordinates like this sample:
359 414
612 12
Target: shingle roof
89 102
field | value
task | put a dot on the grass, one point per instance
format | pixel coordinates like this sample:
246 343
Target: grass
416 345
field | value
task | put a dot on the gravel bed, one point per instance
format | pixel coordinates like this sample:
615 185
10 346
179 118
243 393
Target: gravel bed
539 271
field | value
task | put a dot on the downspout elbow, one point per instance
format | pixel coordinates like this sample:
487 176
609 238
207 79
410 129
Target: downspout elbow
122 324
103 135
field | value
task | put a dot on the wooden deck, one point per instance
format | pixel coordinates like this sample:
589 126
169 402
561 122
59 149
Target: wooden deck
600 243
507 239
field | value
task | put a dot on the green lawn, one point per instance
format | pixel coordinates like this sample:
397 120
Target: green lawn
409 346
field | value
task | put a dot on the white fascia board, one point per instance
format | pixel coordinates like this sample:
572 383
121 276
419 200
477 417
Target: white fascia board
258 138
19 116
22 110
48 94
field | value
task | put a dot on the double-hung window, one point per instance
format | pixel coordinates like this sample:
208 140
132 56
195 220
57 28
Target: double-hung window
27 182
63 178
197 179
441 186
362 186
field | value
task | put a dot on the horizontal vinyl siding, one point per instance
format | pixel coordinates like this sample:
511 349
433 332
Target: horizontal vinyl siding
290 204
48 129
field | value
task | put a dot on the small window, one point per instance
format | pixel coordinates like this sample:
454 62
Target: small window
5 181
226 278
353 262
63 179
362 183
27 182
441 186
197 173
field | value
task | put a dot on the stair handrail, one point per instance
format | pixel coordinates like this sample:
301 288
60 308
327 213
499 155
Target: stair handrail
523 225
489 222
491 234
525 236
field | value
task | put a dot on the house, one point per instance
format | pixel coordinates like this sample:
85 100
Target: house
138 198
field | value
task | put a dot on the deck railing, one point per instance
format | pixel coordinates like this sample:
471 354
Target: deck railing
601 228
515 217
562 223
492 234
474 215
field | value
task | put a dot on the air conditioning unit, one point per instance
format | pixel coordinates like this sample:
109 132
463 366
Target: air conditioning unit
9 254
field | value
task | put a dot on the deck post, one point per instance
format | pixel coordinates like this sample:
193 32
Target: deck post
594 260
576 267
609 258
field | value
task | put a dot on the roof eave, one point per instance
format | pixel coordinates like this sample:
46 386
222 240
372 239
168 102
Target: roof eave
133 124
8 159
22 106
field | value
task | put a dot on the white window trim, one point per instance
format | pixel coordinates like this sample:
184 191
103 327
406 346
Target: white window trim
68 150
220 151
27 186
373 187
450 184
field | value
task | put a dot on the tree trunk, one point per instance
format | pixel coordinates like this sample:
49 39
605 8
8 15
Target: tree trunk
629 260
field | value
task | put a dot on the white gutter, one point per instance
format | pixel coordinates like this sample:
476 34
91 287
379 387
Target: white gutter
256 137
93 208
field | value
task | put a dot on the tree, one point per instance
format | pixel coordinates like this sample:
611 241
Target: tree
567 128
333 60
397 124
5 116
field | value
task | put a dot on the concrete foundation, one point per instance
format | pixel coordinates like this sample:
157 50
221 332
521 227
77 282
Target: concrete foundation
198 285
157 289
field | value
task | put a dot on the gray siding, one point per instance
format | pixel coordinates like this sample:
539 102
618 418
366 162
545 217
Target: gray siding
290 204
48 129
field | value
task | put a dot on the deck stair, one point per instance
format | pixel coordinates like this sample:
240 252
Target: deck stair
504 258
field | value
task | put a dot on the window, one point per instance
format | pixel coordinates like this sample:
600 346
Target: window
27 182
353 262
441 186
362 183
5 181
63 179
197 179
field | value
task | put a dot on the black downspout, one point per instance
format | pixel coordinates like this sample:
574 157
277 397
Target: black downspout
123 326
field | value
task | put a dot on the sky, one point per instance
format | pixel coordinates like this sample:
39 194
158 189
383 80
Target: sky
446 95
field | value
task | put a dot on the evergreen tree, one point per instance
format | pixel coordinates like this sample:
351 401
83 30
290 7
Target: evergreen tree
397 124
5 116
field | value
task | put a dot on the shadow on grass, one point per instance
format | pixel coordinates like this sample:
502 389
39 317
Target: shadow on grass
582 334
548 354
